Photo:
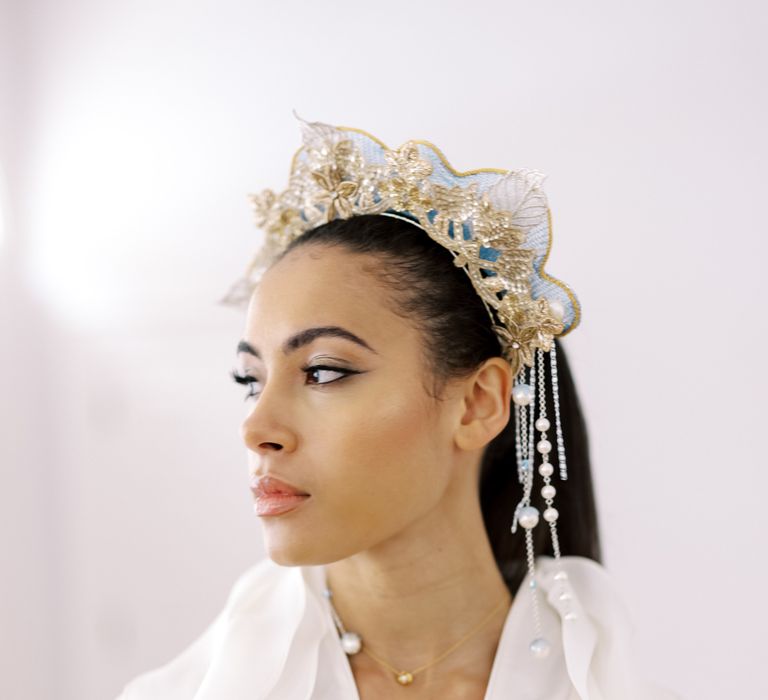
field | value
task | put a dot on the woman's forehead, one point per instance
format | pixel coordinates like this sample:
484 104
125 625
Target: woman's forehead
325 268
321 288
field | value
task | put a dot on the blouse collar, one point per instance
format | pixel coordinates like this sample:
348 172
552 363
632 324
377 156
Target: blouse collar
277 640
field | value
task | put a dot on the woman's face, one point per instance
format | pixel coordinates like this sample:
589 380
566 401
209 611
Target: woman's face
364 439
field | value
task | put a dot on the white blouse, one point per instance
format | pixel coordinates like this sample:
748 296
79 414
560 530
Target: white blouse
275 640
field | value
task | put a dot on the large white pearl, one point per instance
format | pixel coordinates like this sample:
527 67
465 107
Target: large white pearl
522 394
542 424
528 517
351 642
546 469
544 446
557 308
548 492
540 648
551 514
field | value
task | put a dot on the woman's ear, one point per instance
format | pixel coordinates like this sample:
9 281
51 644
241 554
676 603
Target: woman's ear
485 404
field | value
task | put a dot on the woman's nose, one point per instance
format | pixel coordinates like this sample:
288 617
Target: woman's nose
255 444
264 431
260 440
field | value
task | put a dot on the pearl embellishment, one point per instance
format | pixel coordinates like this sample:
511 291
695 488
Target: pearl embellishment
544 446
522 394
529 517
551 514
351 642
548 492
557 309
546 469
540 648
542 425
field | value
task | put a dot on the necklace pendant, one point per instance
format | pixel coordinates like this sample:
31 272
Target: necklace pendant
404 678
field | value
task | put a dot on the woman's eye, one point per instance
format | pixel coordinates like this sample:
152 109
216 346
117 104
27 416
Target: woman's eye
249 381
315 374
321 371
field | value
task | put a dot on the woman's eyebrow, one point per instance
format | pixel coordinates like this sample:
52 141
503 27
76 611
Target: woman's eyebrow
305 337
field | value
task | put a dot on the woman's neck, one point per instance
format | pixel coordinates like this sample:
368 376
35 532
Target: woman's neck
416 594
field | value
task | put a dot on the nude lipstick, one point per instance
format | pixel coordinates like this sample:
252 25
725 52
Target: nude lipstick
275 497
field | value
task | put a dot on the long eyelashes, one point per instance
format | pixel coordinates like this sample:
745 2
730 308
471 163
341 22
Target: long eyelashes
251 381
247 380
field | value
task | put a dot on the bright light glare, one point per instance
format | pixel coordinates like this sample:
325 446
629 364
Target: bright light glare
98 201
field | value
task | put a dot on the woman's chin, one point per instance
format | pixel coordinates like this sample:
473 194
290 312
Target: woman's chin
290 552
284 557
304 551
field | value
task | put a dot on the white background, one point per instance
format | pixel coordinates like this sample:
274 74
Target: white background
130 134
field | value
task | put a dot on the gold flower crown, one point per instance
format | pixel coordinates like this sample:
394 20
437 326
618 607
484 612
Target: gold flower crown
495 223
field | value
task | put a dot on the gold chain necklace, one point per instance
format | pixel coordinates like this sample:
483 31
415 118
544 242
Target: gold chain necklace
352 643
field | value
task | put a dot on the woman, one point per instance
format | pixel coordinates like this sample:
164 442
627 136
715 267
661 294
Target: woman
394 352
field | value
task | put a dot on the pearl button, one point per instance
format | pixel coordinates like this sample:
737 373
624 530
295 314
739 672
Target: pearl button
540 648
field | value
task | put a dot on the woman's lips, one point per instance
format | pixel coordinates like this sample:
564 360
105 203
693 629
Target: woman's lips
275 497
277 504
268 485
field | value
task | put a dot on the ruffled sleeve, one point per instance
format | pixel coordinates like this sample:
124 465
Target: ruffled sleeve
180 678
264 644
596 632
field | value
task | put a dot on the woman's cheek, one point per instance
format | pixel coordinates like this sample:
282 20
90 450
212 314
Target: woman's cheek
373 448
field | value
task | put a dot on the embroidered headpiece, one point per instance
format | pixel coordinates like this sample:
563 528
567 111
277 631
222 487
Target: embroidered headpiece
496 223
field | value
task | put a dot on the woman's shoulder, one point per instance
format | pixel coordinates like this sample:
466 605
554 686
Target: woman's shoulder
182 676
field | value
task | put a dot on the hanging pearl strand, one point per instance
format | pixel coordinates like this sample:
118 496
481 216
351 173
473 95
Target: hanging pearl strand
560 577
519 416
530 433
524 397
556 402
544 447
